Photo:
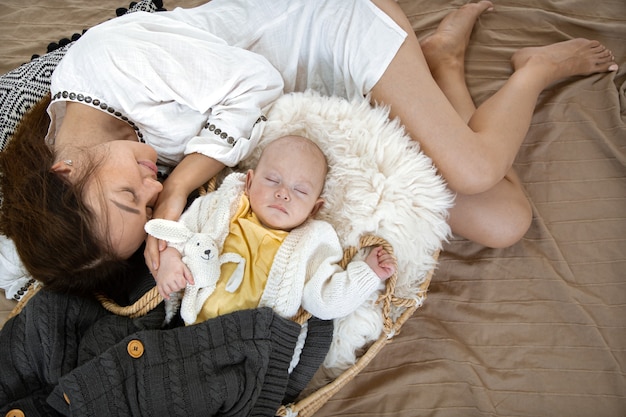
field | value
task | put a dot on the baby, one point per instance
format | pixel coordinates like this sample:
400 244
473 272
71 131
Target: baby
289 258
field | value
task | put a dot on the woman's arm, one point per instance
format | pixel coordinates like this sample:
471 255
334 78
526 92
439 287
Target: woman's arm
193 171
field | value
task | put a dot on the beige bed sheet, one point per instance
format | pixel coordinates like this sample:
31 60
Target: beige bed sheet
538 329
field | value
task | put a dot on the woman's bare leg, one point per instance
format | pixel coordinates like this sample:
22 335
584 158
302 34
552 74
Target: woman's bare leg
444 52
500 216
493 211
476 157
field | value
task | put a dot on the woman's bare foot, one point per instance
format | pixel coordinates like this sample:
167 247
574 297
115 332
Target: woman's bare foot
444 50
565 59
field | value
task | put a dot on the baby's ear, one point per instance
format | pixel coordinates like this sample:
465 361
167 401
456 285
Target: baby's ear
249 178
168 230
318 206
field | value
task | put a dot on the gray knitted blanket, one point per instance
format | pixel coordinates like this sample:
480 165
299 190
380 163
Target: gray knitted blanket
64 355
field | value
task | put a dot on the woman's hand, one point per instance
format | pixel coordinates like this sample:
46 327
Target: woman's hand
192 172
169 206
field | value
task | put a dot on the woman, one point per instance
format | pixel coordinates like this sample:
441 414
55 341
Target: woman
344 48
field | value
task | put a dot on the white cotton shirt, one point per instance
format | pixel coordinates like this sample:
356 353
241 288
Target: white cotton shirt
173 81
174 74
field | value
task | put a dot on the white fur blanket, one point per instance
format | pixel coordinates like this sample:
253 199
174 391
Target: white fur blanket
379 183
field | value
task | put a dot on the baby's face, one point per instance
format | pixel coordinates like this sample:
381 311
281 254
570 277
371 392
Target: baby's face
284 189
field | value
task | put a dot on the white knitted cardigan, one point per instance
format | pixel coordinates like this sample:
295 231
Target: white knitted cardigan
305 269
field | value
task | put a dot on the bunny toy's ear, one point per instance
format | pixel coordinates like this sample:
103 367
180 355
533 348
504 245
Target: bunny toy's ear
168 230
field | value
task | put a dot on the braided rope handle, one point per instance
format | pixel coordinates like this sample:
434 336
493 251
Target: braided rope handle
139 308
209 187
152 298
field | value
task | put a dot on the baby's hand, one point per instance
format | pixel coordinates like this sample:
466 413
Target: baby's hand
172 275
381 262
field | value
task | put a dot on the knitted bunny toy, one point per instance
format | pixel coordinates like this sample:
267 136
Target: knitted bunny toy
200 253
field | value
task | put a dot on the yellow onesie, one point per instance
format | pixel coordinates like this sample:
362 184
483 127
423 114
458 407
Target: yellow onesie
255 243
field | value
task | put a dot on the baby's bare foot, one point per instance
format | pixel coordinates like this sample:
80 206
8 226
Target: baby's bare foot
566 59
445 49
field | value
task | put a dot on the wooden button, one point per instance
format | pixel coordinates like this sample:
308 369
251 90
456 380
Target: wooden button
15 413
135 348
66 398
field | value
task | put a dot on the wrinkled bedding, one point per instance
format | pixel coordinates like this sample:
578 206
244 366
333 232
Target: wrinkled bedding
537 329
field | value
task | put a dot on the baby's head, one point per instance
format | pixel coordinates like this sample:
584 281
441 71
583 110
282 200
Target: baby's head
285 187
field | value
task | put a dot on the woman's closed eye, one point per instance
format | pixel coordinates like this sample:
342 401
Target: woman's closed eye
149 209
133 200
130 192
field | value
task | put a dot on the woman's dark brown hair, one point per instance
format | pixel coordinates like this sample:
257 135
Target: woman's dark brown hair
54 231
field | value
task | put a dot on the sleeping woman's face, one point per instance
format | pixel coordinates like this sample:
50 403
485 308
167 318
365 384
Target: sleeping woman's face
124 191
